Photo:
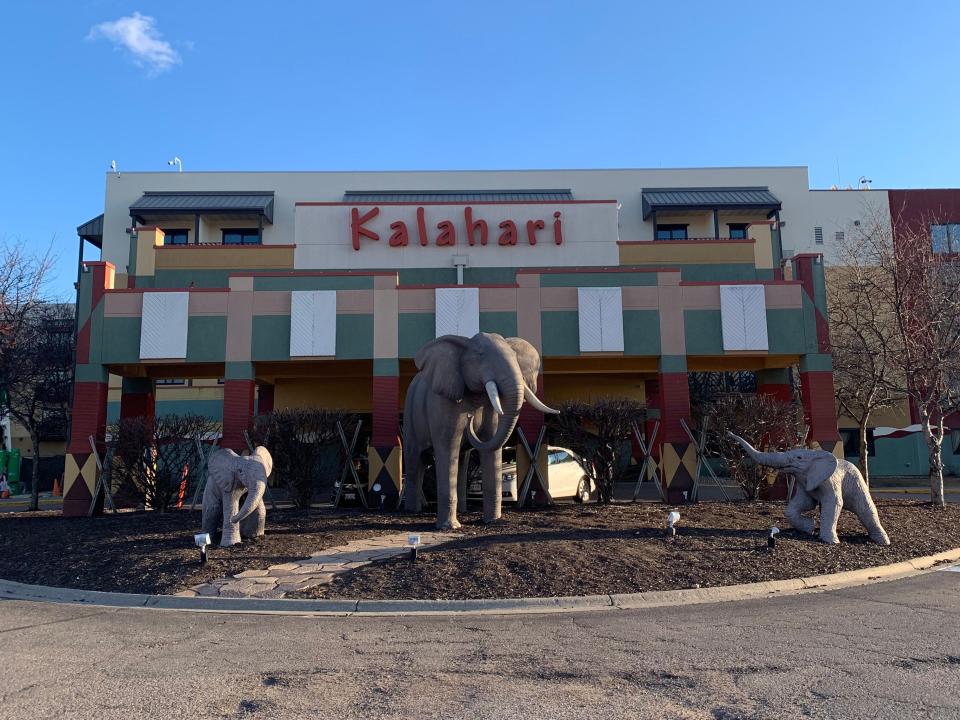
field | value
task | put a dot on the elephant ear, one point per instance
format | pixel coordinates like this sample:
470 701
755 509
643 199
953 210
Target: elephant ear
439 361
265 459
821 469
528 358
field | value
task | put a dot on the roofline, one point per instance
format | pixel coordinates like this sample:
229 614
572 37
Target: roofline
216 193
762 188
457 170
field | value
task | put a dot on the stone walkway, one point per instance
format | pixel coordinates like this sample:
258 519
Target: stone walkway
318 569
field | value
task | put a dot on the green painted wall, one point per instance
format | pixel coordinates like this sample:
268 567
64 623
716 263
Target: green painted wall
208 408
504 323
206 338
703 332
120 340
354 337
610 279
270 337
785 331
414 331
313 282
560 332
641 332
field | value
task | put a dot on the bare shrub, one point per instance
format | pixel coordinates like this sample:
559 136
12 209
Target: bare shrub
153 456
600 432
305 447
765 422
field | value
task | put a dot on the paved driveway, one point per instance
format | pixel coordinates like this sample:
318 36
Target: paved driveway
890 650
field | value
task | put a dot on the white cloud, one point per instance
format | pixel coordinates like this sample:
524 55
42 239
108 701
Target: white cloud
138 34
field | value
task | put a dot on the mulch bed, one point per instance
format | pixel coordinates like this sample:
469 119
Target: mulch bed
565 550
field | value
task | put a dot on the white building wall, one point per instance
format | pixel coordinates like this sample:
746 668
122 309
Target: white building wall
839 211
789 184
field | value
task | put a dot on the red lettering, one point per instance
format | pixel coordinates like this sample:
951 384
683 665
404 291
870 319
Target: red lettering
509 234
422 227
532 227
472 226
557 230
356 226
448 233
400 237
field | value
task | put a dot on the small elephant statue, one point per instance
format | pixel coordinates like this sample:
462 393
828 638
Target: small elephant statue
822 478
229 476
466 386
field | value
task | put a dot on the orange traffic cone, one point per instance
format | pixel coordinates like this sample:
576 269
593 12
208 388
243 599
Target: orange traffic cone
56 487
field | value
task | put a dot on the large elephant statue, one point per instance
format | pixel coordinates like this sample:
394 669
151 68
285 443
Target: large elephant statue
229 476
467 390
822 478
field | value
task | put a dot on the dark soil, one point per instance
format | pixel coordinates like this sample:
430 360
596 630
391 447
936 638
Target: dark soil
622 548
566 550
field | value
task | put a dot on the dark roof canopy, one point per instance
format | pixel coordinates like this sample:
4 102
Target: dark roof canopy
227 203
428 196
730 198
92 231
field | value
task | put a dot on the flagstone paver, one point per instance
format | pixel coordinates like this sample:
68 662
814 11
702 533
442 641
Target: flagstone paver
318 569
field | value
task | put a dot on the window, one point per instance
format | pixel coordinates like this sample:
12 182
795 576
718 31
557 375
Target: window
174 237
671 232
171 381
241 236
818 235
945 238
838 236
600 319
738 231
851 442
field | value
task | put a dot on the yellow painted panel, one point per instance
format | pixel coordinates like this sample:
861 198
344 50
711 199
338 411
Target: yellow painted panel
225 257
688 252
562 388
353 394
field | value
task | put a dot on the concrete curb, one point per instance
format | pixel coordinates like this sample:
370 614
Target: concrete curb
10 590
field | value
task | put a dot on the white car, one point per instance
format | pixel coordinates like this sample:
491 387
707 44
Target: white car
565 477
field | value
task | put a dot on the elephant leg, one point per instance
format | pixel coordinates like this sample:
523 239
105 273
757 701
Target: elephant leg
414 482
831 504
490 463
462 479
860 502
212 511
253 525
445 460
231 531
800 503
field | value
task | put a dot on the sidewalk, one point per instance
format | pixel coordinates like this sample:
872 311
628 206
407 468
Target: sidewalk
18 503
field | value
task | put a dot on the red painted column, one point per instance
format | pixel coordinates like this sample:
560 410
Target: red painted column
237 412
530 421
775 384
137 398
89 418
820 409
678 459
384 455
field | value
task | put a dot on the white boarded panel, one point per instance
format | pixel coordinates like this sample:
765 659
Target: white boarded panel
590 319
755 317
457 311
743 313
611 319
313 323
163 325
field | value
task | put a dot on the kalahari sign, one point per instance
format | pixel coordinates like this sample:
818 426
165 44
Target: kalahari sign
475 231
333 236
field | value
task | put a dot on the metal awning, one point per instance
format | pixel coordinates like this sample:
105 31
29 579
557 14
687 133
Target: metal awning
729 198
433 196
92 231
254 202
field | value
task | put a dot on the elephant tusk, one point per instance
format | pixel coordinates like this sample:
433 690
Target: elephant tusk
494 394
535 402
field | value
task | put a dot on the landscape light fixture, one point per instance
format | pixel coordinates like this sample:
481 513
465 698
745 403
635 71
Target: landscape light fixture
772 537
176 161
202 540
414 542
672 518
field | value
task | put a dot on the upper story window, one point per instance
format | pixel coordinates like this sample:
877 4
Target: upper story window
175 237
171 381
738 231
241 236
945 238
818 235
671 232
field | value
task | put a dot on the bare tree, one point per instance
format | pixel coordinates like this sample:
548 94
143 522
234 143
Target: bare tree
867 369
921 288
601 434
36 350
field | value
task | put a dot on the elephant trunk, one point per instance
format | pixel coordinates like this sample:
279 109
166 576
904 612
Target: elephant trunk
255 491
509 388
777 460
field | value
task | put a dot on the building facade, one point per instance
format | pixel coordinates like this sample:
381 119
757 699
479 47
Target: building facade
253 291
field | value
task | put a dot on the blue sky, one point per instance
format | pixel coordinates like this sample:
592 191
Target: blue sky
448 85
